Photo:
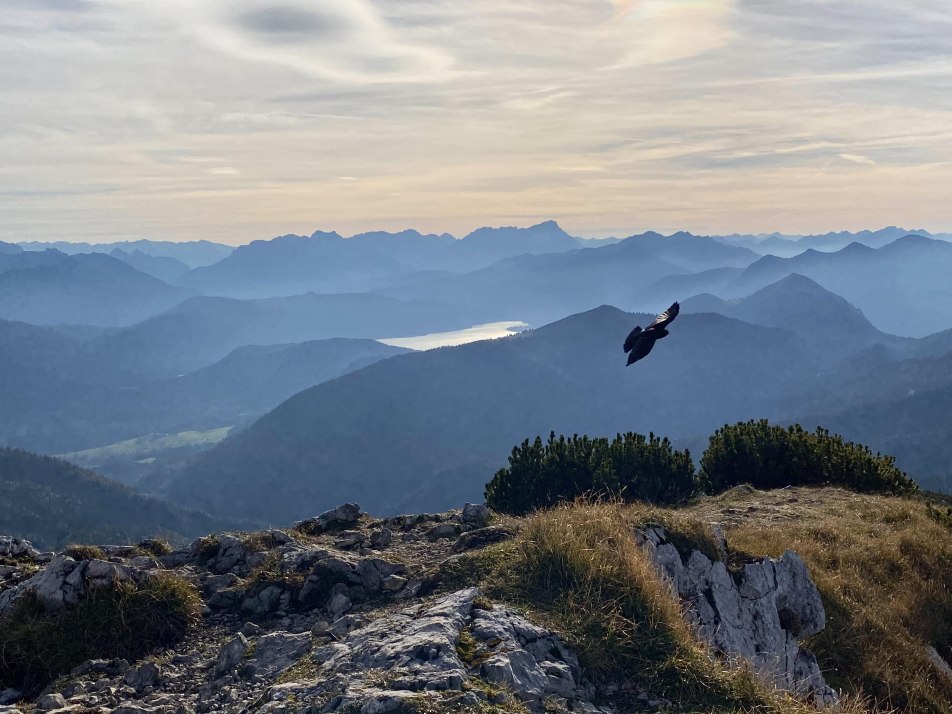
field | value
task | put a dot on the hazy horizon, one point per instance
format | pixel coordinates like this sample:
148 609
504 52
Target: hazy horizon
585 234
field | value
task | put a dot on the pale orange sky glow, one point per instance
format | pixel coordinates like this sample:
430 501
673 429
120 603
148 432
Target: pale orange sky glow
246 119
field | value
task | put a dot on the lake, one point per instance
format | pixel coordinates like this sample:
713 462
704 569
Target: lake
486 331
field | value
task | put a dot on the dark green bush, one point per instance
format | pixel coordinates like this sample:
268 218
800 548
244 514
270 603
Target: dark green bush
631 467
123 621
768 456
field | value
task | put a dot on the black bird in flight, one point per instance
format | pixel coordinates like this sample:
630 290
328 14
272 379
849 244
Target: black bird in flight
639 342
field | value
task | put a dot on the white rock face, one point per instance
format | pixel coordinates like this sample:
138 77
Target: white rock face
413 654
759 614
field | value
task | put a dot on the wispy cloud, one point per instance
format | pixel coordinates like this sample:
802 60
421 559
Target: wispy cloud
343 41
248 118
857 159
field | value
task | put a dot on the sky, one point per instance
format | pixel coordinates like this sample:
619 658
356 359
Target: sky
234 120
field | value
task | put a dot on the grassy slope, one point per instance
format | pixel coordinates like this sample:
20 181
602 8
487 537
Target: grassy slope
883 566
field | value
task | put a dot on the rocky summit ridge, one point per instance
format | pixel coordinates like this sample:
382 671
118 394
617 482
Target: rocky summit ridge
347 613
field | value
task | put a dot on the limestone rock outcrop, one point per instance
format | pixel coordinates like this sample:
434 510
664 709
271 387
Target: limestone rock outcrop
430 652
16 548
65 581
759 613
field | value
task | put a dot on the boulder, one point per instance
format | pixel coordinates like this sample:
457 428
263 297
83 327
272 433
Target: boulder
528 660
336 519
482 537
230 654
263 601
443 530
145 675
234 556
277 651
349 539
381 538
217 583
17 548
475 515
51 701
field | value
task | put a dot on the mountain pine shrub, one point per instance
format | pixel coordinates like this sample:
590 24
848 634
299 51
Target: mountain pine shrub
769 456
630 467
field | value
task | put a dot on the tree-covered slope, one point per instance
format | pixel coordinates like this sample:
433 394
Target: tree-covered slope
428 428
51 503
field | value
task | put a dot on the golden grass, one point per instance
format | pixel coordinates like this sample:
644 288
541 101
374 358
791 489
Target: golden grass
884 568
578 568
84 552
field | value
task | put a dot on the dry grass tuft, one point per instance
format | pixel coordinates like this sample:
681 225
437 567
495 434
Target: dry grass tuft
578 568
259 541
84 552
153 547
37 645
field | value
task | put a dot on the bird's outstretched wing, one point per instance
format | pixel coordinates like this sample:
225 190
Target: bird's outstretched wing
666 317
632 339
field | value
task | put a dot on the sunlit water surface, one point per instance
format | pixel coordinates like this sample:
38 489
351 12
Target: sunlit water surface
487 331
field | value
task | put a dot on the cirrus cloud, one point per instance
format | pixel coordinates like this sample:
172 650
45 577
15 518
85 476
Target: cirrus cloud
341 41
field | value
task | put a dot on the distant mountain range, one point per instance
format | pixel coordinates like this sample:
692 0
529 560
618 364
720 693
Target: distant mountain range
825 321
787 246
536 274
53 288
161 267
902 287
327 262
192 253
62 393
159 348
203 330
914 428
179 417
541 288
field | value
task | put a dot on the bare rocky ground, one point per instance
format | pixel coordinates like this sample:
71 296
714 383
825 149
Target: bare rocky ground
340 614
345 613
